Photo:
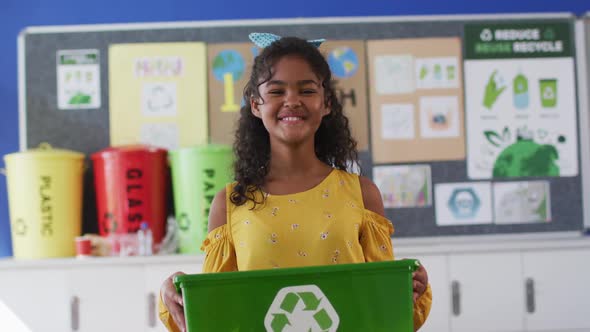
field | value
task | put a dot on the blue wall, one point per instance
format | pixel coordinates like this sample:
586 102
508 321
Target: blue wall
18 14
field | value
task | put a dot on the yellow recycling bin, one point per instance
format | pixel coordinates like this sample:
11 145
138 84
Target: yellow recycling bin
45 201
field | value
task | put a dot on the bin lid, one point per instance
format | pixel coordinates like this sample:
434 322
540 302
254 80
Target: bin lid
212 148
45 151
126 150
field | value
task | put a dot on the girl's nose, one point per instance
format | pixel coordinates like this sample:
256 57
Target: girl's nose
292 99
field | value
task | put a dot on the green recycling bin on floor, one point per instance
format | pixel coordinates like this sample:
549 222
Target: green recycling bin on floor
374 297
198 173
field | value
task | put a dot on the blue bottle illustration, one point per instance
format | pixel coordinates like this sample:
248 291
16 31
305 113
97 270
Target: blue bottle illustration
520 86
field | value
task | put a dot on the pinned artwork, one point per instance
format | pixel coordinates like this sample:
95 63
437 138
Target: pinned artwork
404 186
397 121
394 74
467 203
347 62
78 79
439 117
229 69
522 202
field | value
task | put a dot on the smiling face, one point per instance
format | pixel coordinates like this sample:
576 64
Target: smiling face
292 103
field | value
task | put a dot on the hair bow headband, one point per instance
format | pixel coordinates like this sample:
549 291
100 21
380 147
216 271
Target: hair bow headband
264 39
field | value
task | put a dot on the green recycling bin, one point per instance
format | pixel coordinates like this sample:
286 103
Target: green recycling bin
198 173
372 297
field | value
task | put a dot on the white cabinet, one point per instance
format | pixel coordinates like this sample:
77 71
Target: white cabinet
438 276
107 298
487 292
37 297
154 276
558 292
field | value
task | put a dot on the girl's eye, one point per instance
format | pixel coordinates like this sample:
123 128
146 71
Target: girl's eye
308 91
275 92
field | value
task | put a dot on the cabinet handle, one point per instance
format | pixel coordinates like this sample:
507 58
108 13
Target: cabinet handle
151 302
530 295
456 297
75 313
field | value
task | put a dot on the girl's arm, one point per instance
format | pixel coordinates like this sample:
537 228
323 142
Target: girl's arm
218 211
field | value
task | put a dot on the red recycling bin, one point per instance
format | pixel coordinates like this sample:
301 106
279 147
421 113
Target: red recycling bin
131 187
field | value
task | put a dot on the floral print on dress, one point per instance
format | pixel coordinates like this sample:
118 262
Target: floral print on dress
247 222
335 256
274 211
328 215
273 238
325 193
293 201
294 227
324 235
301 253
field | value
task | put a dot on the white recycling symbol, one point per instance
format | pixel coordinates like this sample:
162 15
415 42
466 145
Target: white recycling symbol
548 93
302 308
486 35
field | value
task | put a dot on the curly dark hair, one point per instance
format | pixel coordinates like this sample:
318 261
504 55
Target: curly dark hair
333 141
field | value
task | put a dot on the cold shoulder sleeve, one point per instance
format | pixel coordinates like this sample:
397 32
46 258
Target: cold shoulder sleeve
220 253
166 317
375 239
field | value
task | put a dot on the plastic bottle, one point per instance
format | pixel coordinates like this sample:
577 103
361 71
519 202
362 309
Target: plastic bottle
521 91
144 239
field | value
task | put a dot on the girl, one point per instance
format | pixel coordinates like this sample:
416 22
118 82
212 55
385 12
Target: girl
293 202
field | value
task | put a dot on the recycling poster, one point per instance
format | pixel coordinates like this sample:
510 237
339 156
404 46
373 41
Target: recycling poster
520 101
158 94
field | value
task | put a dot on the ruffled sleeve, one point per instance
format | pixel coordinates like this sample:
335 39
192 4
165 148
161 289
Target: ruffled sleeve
166 317
220 253
375 239
422 308
220 256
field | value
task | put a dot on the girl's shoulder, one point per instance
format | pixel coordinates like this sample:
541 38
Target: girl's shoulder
372 199
218 209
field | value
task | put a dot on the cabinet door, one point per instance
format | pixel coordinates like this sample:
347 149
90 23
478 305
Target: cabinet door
109 298
155 276
558 296
487 292
438 276
36 297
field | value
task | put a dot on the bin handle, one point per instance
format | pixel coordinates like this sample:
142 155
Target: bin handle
44 146
151 303
75 313
456 297
530 295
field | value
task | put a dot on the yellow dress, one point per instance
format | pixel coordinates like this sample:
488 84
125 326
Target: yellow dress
327 224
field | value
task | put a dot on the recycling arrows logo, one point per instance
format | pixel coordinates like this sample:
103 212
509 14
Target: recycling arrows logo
301 308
